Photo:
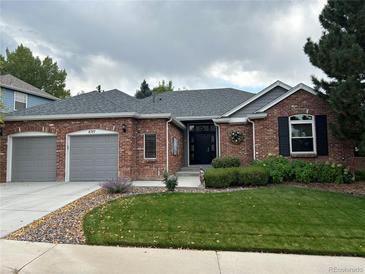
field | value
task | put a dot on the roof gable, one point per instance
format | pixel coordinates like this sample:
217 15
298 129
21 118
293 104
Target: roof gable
298 87
257 96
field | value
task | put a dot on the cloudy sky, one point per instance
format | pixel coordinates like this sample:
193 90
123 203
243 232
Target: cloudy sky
241 44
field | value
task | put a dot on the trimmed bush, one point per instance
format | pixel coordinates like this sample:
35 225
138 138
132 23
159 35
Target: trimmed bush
226 177
220 177
226 162
253 175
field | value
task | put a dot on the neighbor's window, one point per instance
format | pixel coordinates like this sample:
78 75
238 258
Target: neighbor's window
20 101
302 134
150 146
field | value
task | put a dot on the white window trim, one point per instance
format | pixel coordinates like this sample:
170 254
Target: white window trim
144 146
26 99
9 150
83 133
314 151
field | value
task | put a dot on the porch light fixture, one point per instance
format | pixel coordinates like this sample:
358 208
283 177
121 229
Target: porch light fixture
124 128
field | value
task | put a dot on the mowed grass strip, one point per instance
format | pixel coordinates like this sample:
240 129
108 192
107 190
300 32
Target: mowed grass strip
275 219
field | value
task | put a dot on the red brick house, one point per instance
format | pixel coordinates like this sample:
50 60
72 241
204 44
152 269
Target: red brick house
100 135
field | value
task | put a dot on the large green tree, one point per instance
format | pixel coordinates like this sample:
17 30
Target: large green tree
144 91
340 54
43 74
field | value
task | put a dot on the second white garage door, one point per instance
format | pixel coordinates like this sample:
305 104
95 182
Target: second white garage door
93 158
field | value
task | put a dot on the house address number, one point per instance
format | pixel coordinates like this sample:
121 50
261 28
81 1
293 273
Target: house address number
92 131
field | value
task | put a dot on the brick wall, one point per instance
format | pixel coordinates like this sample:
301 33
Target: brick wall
131 158
267 138
243 150
176 162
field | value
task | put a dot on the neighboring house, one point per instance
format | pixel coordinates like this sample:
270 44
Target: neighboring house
17 94
100 135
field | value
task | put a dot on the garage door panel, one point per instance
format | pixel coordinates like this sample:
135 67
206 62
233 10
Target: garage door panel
34 159
93 158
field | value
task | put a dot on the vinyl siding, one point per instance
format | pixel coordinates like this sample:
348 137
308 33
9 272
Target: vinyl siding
7 97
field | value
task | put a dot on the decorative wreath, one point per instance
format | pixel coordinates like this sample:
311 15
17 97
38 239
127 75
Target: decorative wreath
236 137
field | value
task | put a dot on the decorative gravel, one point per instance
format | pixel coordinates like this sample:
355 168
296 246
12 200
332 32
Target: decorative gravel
65 225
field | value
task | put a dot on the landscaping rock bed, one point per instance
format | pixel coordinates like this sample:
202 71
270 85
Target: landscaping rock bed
65 225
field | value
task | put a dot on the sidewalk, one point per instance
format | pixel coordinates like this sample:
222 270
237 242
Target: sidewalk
59 258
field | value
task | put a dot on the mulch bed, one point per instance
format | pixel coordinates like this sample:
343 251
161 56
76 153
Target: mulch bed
356 189
65 225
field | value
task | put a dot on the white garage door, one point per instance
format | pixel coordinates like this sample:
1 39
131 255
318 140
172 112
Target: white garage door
93 158
33 159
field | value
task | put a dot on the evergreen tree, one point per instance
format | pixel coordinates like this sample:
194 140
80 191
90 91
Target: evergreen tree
340 53
44 75
144 91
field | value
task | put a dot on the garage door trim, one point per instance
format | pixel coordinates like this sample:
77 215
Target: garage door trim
9 152
86 132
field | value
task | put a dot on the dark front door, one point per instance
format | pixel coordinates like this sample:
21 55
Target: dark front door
202 145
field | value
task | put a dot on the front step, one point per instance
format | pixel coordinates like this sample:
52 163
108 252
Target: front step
190 173
195 167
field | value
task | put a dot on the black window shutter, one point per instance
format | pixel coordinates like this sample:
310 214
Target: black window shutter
321 135
283 124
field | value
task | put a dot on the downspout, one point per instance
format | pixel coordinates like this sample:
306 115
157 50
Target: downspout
167 144
253 138
219 139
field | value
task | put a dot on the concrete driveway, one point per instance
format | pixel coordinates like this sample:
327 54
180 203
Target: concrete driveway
22 203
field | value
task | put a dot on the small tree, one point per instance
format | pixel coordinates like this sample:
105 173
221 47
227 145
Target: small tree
144 91
340 53
162 87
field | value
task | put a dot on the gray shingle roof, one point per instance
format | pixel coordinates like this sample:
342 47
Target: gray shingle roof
204 102
201 102
11 82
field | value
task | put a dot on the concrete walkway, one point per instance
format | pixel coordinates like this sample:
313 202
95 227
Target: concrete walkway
29 257
22 203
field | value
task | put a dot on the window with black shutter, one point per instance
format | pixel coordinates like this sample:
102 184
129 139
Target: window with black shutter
302 134
150 146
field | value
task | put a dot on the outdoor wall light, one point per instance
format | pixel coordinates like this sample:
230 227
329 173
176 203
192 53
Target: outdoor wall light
124 128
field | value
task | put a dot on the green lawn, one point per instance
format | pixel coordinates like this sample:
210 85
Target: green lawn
276 219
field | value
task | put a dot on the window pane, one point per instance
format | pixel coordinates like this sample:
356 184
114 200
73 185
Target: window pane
19 105
301 130
20 97
301 117
302 145
150 146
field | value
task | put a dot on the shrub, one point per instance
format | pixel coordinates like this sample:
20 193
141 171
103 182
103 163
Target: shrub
360 175
118 185
226 162
304 172
220 177
279 168
253 175
170 181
